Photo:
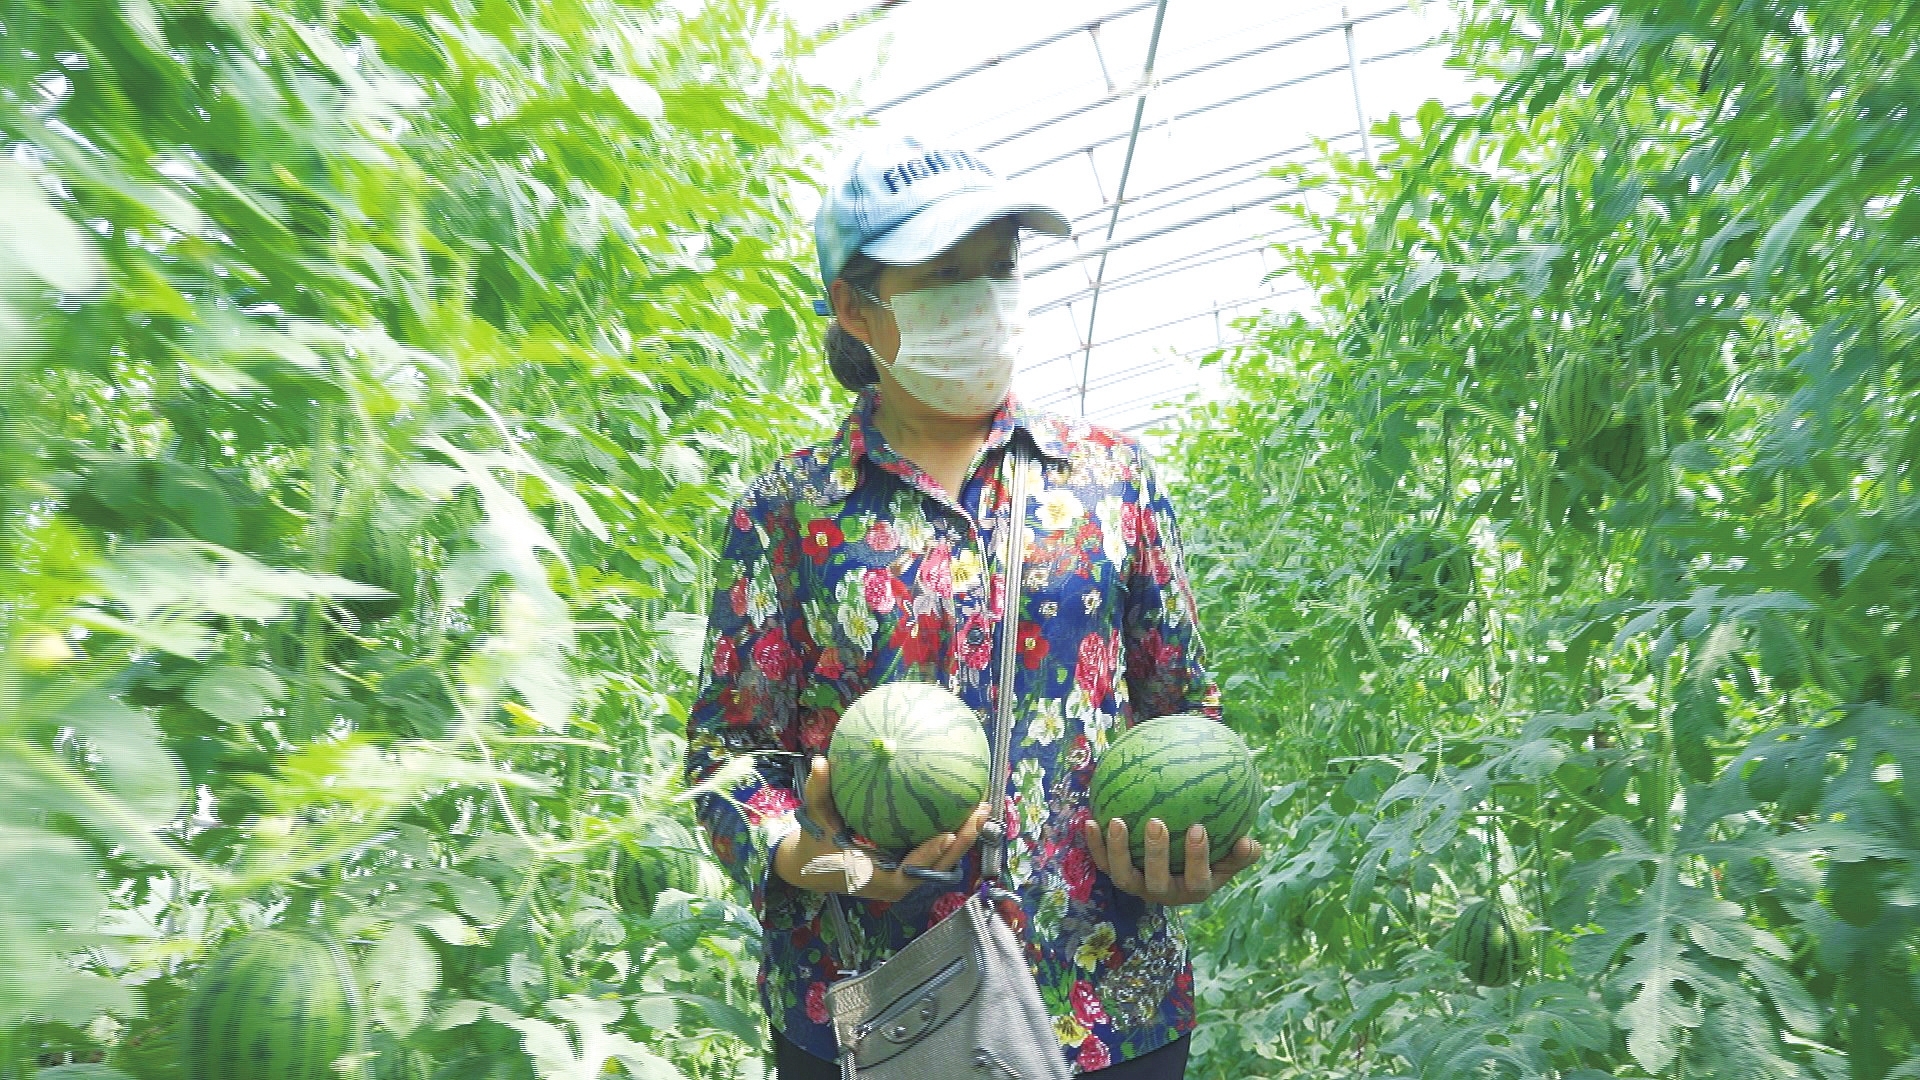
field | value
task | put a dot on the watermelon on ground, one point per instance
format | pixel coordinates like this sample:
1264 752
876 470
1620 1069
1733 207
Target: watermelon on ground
1185 769
271 1005
908 761
1488 941
667 857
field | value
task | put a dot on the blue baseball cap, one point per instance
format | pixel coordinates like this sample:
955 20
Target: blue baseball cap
901 201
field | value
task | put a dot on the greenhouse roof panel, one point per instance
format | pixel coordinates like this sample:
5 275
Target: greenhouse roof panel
1051 94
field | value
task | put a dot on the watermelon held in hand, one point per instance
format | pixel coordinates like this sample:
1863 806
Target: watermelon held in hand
272 1006
669 858
1185 769
1488 942
908 762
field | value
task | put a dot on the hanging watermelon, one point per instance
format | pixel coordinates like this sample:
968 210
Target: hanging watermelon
1184 769
1622 452
1489 943
1430 575
271 1005
668 859
908 761
1580 396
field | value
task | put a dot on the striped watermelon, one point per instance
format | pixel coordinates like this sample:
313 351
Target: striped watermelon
1184 769
1487 941
908 762
667 858
1579 400
1621 452
1431 574
271 1005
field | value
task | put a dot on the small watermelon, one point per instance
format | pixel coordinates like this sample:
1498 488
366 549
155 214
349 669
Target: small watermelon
1431 575
271 1005
1621 452
908 762
1487 941
668 858
1184 769
1579 400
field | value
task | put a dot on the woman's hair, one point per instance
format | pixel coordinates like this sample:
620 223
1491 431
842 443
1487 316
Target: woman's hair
851 362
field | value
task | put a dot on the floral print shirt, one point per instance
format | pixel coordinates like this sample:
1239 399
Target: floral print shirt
846 566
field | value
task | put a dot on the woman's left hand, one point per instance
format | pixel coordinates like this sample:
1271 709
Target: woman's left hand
1156 884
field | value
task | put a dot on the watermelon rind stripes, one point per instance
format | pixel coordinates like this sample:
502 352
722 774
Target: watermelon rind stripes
272 1005
1184 769
1579 400
1621 452
669 859
1490 944
908 761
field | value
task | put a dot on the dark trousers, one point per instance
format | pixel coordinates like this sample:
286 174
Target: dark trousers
1167 1063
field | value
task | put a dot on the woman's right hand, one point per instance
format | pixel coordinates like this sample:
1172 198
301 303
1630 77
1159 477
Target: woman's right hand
943 852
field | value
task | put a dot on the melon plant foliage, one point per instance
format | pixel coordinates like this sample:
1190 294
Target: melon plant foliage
1675 722
374 372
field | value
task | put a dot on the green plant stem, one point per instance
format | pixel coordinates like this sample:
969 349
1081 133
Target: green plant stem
320 550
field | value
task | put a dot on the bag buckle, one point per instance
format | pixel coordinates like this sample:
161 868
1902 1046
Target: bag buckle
927 1008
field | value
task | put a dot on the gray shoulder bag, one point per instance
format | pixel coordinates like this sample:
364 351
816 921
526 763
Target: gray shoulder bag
959 1000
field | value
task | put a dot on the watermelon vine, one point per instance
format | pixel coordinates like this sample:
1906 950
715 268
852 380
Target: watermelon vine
1663 270
373 372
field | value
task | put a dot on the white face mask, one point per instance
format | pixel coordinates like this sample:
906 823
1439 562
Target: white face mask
958 343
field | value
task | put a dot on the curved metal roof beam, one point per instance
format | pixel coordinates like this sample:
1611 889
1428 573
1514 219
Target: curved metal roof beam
1120 194
995 61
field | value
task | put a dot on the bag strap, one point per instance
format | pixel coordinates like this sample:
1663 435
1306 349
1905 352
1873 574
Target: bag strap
993 856
993 834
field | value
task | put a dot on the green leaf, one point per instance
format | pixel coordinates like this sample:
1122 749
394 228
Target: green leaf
1774 247
1660 941
400 974
40 240
552 1048
48 914
134 767
236 694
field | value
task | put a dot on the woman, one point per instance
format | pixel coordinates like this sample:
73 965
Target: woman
868 559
